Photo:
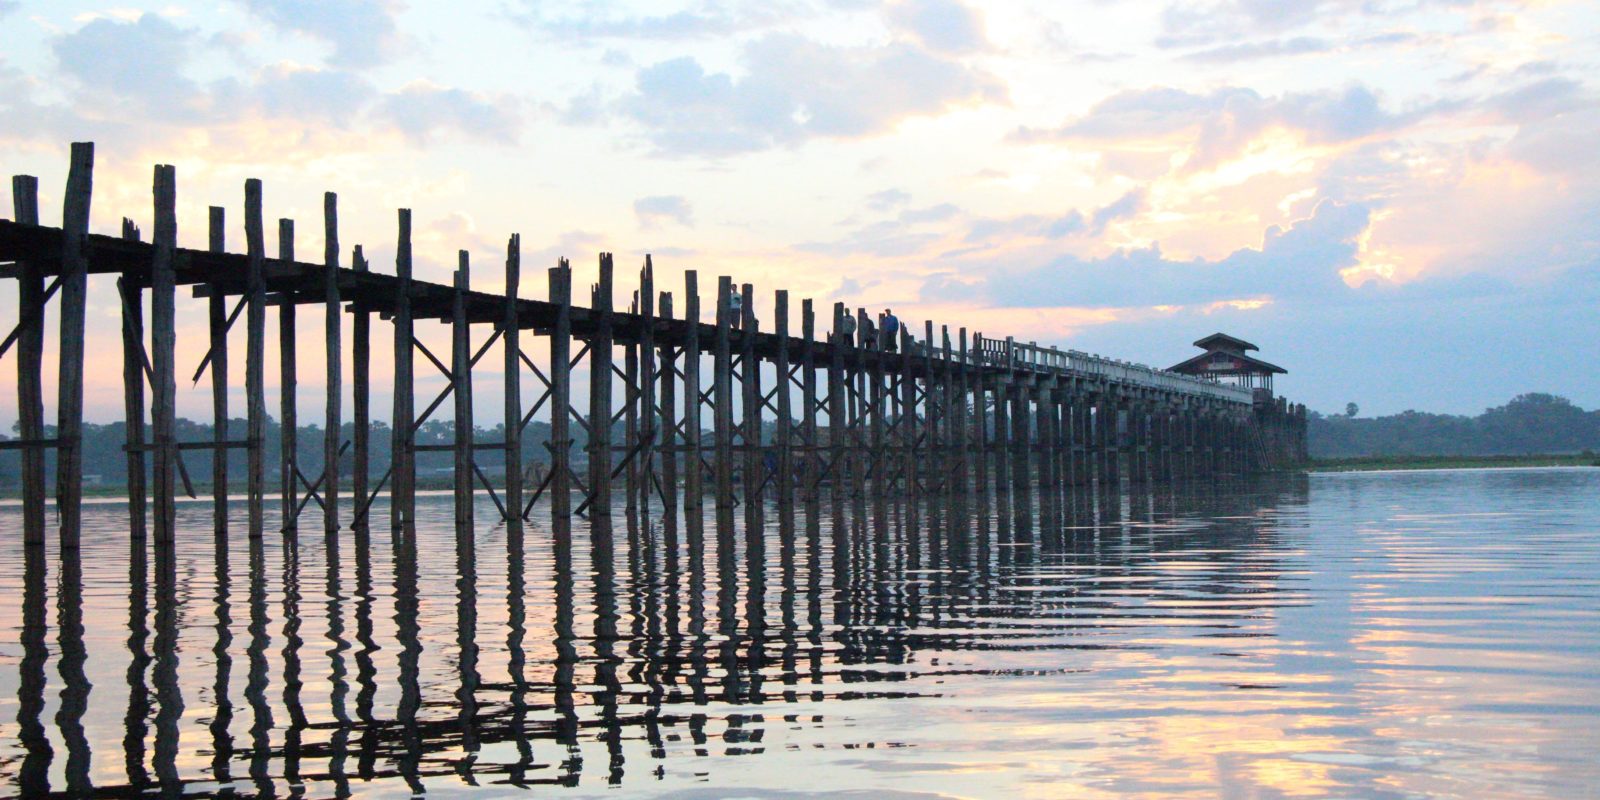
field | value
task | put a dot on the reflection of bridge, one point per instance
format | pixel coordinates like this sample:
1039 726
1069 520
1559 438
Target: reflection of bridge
933 414
316 670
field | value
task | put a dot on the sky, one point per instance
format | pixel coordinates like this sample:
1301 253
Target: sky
1399 202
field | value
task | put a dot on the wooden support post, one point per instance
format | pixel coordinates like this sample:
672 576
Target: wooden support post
722 395
361 398
981 407
1021 448
933 413
1043 436
461 377
693 504
334 347
511 344
30 378
909 422
668 423
403 484
648 430
218 318
133 388
750 383
632 407
288 419
949 434
963 414
783 430
838 413
561 392
808 400
877 459
600 366
255 385
74 279
1002 441
164 340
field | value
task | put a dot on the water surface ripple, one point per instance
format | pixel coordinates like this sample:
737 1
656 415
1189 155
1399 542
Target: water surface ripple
1366 635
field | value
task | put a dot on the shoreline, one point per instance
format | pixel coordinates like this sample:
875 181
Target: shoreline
1419 463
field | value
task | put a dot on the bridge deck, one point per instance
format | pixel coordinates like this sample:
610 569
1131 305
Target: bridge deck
303 283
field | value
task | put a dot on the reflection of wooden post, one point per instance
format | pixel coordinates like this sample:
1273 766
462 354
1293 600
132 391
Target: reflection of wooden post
461 376
561 392
600 367
403 509
361 408
74 280
288 420
255 385
692 491
164 340
30 378
218 319
511 341
334 419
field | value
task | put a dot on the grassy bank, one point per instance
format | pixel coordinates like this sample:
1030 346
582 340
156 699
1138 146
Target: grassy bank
1450 462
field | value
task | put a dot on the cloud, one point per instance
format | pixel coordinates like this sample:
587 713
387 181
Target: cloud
362 32
887 199
1244 51
1300 261
795 90
8 6
136 65
421 110
701 21
1221 123
1121 208
652 211
943 26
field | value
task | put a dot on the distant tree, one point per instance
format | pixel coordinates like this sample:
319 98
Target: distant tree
1351 410
1528 424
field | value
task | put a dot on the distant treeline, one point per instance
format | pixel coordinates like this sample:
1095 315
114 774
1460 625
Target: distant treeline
105 464
1529 424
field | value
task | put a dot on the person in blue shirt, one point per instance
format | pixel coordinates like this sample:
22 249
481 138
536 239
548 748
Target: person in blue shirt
891 332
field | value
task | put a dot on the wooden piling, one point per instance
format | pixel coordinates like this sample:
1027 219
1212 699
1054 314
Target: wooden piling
333 423
783 425
74 279
808 400
217 317
722 395
163 340
561 392
600 367
288 415
751 475
693 492
668 441
402 492
511 343
838 414
461 378
255 355
646 386
30 374
361 400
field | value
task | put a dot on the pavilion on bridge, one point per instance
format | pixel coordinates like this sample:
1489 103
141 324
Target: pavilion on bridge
1226 360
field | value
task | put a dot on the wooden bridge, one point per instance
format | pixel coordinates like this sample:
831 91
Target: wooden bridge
850 414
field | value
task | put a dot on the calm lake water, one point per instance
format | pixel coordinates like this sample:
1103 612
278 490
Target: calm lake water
1359 635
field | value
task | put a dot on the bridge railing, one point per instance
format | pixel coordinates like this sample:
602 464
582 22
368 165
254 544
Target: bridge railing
1010 354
